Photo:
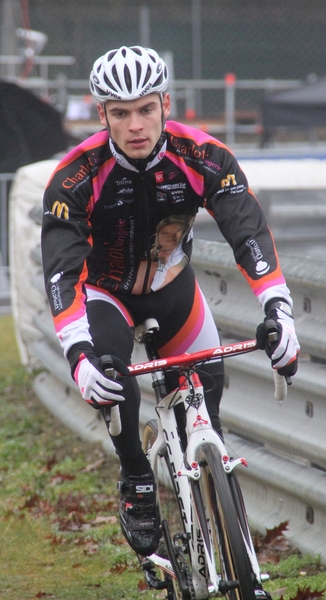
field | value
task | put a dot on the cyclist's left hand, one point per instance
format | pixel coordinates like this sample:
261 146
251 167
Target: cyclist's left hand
284 350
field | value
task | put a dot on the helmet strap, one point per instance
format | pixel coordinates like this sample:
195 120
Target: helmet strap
162 112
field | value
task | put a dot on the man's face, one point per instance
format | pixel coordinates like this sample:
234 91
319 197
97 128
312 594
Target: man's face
135 125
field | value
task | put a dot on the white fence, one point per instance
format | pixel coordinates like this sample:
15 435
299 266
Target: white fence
284 445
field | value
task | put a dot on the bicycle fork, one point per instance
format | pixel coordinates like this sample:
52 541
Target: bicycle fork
168 437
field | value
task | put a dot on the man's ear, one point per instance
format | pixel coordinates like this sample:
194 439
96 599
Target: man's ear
101 114
166 104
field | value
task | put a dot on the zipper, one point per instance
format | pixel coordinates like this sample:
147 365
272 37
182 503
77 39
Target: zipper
149 261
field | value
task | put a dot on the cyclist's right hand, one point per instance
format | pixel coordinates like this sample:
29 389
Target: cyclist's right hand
97 389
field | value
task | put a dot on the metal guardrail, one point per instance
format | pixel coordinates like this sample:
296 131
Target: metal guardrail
285 446
5 181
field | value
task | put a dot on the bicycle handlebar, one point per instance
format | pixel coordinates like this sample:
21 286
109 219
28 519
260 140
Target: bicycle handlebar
280 386
194 358
233 349
183 360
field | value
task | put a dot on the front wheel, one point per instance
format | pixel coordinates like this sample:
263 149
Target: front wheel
219 521
170 515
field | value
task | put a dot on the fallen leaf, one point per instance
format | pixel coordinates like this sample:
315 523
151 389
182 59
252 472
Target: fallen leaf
306 593
92 467
100 520
276 533
61 477
49 464
142 585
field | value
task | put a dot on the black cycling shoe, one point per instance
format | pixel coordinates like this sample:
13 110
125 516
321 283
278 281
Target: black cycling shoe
139 516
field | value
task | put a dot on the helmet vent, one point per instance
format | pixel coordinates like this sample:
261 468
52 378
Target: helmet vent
148 74
111 55
127 77
116 76
138 72
108 82
158 80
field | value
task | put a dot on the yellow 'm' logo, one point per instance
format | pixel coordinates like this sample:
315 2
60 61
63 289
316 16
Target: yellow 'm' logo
60 209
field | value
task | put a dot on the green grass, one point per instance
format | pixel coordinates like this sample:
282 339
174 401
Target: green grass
59 533
53 486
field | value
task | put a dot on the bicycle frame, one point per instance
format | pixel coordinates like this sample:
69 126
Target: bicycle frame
184 464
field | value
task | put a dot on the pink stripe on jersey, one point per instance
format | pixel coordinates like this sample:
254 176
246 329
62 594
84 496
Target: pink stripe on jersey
98 139
196 181
196 135
79 314
98 181
268 284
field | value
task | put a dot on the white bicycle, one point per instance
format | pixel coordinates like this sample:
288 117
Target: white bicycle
207 549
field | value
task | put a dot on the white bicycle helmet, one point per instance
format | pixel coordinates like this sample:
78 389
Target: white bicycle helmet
128 74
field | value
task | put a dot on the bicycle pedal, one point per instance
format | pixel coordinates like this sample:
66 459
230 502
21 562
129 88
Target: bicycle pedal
151 578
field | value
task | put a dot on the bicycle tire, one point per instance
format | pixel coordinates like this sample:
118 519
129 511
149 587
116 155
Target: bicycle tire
239 506
218 517
169 511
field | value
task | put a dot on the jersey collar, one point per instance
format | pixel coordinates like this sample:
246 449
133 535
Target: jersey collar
139 165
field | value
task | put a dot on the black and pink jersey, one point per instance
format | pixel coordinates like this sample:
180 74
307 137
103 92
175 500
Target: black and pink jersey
125 226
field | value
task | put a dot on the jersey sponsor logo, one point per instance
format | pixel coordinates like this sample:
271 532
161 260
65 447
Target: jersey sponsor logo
124 181
230 179
60 209
177 196
229 185
211 166
159 177
161 197
116 257
187 149
126 191
56 296
262 266
56 277
82 174
119 202
173 186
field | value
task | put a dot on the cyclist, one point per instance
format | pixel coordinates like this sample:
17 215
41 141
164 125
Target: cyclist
118 216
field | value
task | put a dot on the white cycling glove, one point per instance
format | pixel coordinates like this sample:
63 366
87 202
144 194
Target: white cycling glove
278 337
94 385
